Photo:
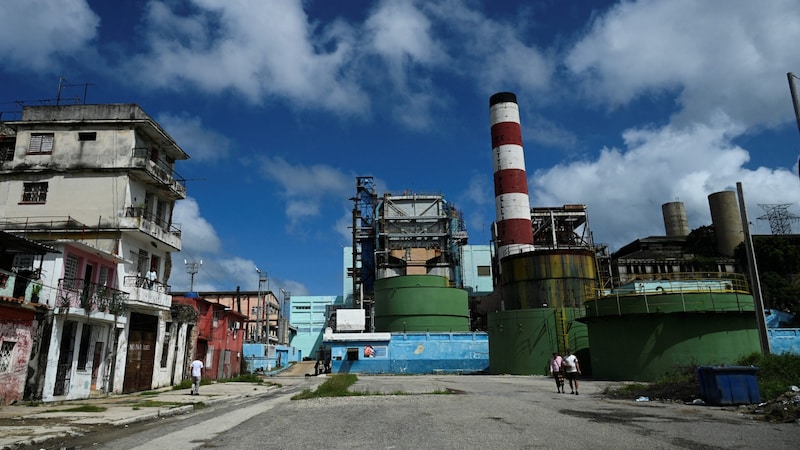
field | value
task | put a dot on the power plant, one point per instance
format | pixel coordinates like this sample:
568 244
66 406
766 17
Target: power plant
409 309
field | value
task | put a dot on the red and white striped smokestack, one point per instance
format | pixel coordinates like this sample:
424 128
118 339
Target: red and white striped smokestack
512 205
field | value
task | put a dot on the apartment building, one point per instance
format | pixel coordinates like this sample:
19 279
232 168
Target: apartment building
97 183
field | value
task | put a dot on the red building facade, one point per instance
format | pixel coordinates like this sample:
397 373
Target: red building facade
217 338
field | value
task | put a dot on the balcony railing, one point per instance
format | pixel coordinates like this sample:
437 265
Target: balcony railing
159 169
91 297
146 292
139 211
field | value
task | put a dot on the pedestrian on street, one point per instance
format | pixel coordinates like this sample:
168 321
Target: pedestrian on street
197 375
571 370
557 371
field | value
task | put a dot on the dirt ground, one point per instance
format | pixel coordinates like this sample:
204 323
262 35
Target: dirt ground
784 409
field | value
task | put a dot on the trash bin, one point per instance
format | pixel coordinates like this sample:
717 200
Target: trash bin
729 385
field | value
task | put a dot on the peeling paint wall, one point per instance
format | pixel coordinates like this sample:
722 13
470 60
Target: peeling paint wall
19 336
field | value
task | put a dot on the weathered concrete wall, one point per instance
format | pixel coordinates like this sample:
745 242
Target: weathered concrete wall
12 379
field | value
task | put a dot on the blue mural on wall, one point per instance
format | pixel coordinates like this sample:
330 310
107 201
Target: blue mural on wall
408 353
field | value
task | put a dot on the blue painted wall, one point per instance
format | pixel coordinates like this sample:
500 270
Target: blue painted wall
264 358
784 340
413 353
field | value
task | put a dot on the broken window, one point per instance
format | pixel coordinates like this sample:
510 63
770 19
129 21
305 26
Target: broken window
34 192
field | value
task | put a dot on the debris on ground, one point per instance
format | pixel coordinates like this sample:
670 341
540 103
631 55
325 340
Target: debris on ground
784 409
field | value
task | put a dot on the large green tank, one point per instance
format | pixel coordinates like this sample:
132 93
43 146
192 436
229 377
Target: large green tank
548 278
641 336
522 341
419 303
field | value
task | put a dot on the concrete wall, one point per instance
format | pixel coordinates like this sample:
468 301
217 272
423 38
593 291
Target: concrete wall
12 380
409 353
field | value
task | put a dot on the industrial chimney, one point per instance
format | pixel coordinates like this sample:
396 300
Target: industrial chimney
675 222
512 205
727 221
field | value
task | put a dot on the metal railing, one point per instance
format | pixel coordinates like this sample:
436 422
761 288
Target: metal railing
650 293
92 297
158 168
139 211
142 282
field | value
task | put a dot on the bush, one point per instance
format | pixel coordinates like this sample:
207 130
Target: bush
775 372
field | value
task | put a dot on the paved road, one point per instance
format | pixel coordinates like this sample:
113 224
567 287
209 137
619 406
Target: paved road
487 412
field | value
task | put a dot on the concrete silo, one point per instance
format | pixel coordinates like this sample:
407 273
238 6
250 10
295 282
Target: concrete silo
675 222
727 221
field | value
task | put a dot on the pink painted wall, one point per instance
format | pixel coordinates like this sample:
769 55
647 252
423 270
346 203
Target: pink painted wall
17 326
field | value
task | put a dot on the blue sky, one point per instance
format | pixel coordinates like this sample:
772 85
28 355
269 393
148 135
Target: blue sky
281 104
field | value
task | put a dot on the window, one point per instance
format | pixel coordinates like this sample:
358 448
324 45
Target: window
484 271
87 136
165 346
6 151
41 143
5 356
70 271
34 193
83 353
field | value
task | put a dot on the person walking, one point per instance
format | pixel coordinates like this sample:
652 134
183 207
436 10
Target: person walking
557 371
571 370
197 375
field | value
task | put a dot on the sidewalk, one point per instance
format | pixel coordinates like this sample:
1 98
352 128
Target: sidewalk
25 424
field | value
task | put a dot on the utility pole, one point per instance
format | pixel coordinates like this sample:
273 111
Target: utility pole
761 321
262 277
192 268
795 101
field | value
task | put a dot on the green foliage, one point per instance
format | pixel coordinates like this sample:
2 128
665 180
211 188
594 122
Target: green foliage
778 260
156 404
701 242
187 384
775 372
335 386
81 408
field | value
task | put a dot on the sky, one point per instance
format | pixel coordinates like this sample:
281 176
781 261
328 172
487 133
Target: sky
281 104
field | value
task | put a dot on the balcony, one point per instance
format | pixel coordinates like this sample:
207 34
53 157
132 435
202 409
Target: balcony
144 293
157 228
23 286
158 170
89 298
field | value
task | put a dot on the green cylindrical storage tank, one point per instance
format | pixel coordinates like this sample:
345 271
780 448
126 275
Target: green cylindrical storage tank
522 341
548 278
644 337
419 303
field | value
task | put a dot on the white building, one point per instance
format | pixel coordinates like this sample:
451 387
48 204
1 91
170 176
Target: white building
97 182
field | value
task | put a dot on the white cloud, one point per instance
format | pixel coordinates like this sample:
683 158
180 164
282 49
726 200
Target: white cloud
35 33
258 49
714 55
215 270
307 188
195 138
625 188
197 234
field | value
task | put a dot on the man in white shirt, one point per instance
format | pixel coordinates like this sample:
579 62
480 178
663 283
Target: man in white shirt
197 375
571 370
